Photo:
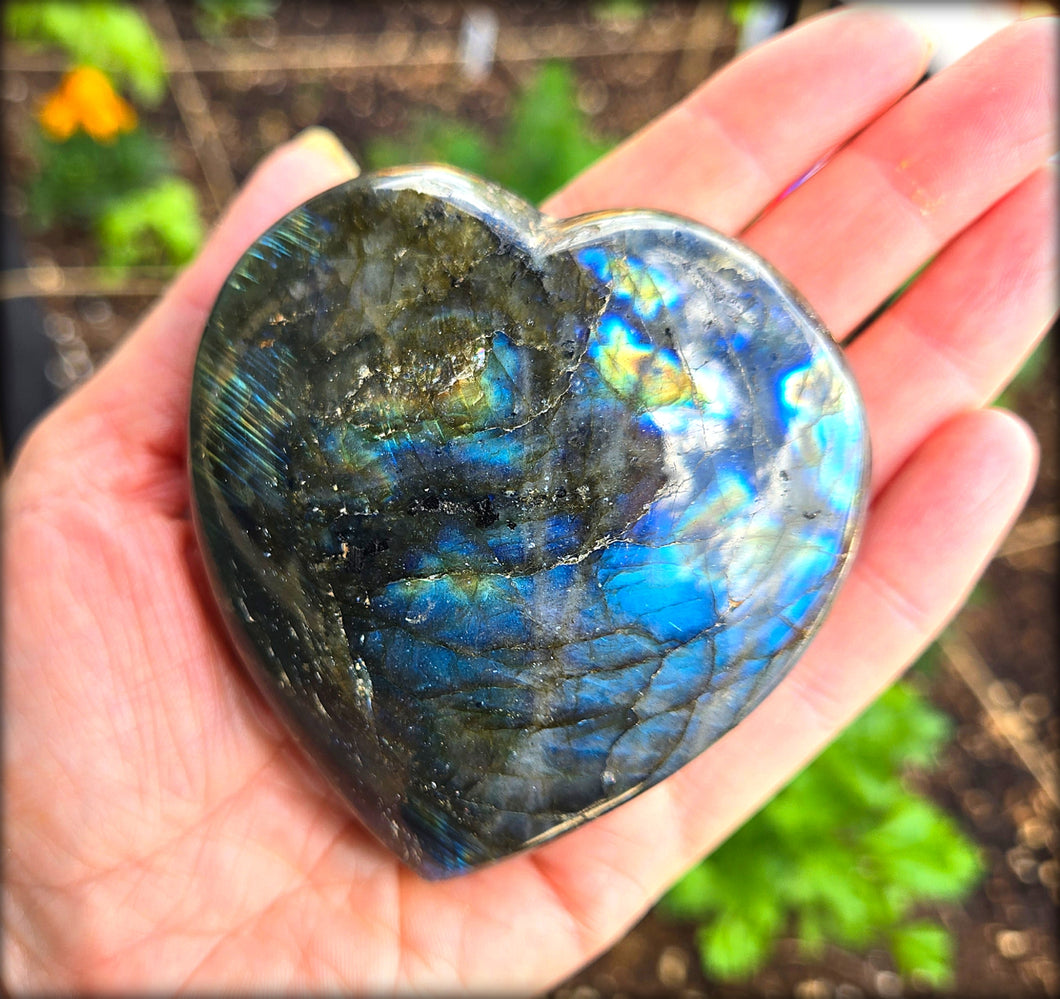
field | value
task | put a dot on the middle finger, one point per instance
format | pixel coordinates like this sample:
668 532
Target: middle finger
722 154
916 177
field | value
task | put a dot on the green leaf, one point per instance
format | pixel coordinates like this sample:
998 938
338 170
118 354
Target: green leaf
811 934
924 950
160 224
217 17
112 37
920 850
835 888
900 727
733 947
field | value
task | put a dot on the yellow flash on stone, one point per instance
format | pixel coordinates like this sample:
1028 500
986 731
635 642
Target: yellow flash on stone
636 370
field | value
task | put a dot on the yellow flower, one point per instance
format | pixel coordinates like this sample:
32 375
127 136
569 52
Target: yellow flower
85 99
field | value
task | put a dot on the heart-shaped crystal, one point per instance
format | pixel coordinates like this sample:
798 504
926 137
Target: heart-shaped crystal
510 517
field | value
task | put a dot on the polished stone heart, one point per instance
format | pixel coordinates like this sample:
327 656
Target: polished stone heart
511 518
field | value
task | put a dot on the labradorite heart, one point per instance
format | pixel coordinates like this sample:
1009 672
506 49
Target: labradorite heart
511 518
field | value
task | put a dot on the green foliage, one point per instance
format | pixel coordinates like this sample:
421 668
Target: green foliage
217 17
734 948
153 225
621 10
112 37
433 139
983 594
928 663
740 11
927 949
78 179
546 141
1028 374
124 190
845 853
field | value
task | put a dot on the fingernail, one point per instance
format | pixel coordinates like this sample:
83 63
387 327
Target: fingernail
326 142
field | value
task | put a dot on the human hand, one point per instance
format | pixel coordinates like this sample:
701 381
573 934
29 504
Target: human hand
162 830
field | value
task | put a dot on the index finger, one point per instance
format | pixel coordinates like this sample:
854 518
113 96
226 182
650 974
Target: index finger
722 154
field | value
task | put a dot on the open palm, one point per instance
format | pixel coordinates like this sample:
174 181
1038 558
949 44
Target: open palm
161 828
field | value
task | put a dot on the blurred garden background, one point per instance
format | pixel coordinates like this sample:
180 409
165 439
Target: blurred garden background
916 856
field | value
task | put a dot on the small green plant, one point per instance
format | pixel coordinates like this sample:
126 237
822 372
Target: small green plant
77 179
112 37
218 17
433 139
846 853
547 140
157 224
96 168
